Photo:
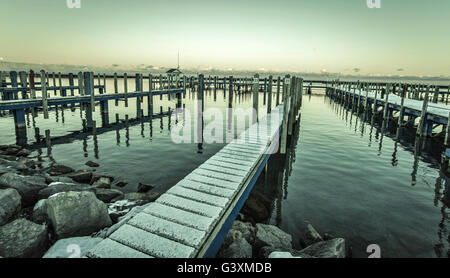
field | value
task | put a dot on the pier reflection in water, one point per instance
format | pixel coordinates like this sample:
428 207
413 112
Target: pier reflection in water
130 148
356 178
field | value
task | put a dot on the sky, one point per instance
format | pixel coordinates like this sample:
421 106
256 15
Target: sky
403 37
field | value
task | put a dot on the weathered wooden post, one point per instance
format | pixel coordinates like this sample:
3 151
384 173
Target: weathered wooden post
54 83
23 83
386 103
200 107
90 106
184 86
423 115
150 97
44 94
255 98
448 93
402 109
447 132
269 101
138 84
32 86
116 89
125 85
436 94
292 104
278 90
284 132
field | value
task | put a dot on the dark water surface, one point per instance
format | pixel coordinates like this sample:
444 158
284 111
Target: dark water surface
346 178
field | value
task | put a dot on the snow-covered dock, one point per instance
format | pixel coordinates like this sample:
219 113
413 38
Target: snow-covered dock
194 216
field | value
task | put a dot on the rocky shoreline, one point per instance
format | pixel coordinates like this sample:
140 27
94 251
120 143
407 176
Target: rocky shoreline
45 209
245 240
54 211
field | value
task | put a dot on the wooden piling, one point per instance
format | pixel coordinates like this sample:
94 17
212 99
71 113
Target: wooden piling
44 93
32 85
386 103
447 132
150 97
284 127
278 90
116 88
125 87
269 90
48 141
423 115
255 97
402 109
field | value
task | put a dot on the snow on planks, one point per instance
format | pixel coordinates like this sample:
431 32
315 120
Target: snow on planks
179 223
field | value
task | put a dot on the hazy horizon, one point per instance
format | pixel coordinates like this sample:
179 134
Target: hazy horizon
403 37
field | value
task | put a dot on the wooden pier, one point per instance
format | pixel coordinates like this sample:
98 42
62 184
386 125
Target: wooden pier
192 219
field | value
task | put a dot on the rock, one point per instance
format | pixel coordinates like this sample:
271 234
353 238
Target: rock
143 188
69 247
287 255
102 182
106 195
40 212
23 239
268 235
51 179
8 157
144 197
121 208
238 230
92 164
12 150
57 187
59 169
334 248
23 152
28 163
10 204
27 186
328 236
81 176
77 214
311 236
238 249
121 220
121 184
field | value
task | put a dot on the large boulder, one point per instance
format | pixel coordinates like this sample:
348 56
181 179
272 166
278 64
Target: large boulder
142 197
102 182
59 169
57 187
238 249
10 204
77 214
74 247
81 176
144 188
311 236
23 239
122 220
334 248
27 186
40 212
287 255
121 208
106 195
240 229
269 235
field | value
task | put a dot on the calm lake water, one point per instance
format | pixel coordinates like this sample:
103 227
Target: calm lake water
348 179
342 175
